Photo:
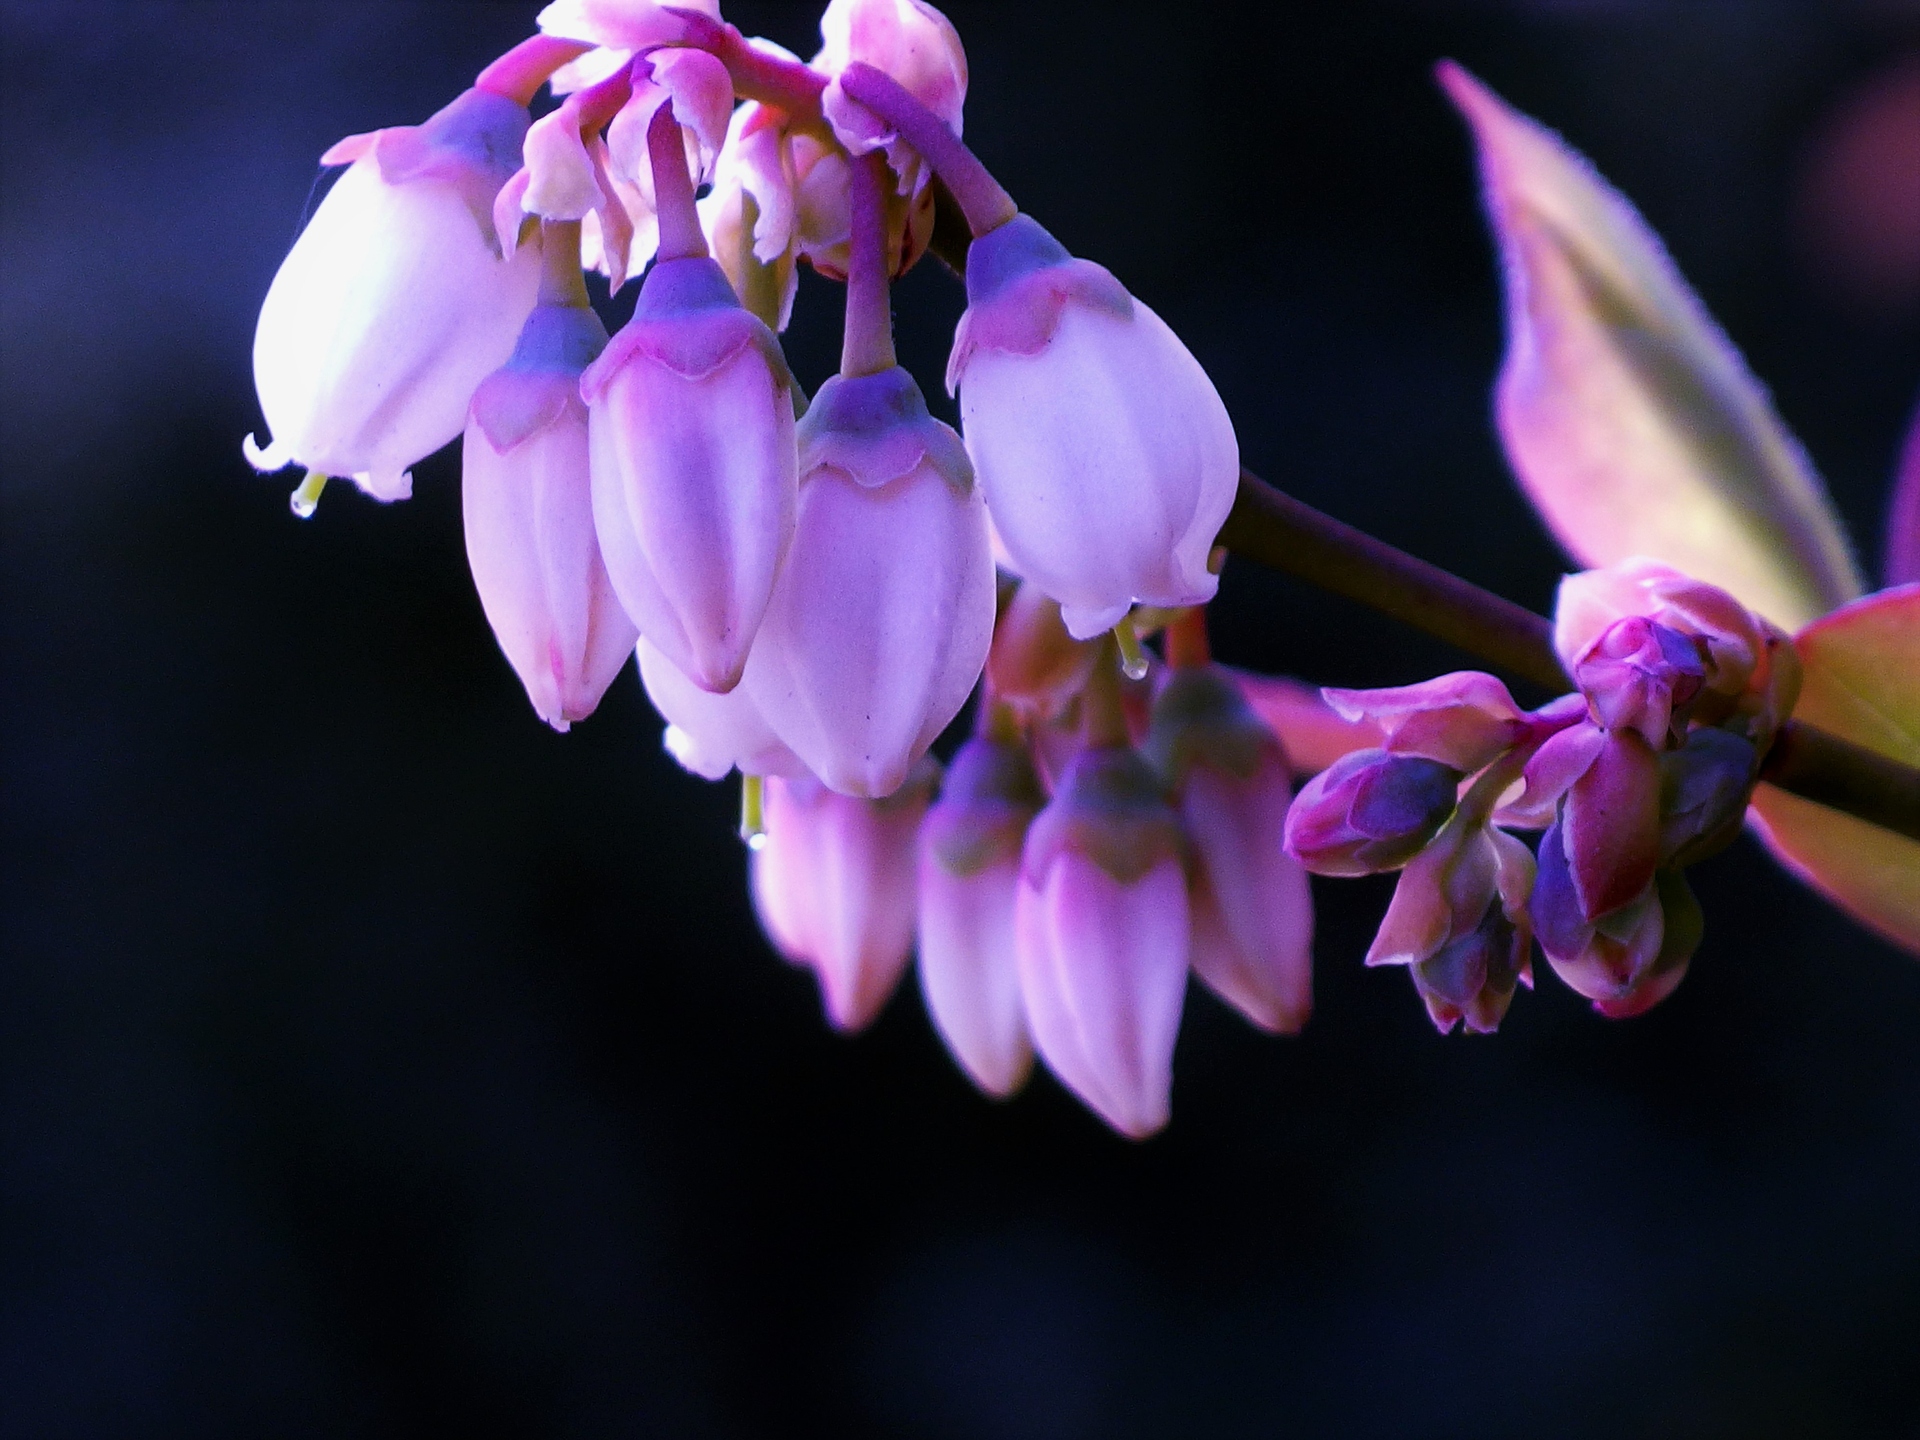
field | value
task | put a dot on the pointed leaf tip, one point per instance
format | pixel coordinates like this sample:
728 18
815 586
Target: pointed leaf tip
1631 421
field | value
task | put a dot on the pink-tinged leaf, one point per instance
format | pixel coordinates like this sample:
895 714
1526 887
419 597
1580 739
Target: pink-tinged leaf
1631 421
1863 684
1313 734
1902 565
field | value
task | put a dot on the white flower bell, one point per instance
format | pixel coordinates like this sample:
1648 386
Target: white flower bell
394 303
528 504
694 468
880 622
713 734
1104 451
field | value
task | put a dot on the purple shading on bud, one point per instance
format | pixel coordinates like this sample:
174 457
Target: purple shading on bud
1472 978
1251 907
1550 773
1464 720
1704 787
880 621
970 850
835 887
1101 926
694 468
1444 892
1611 821
1641 675
1370 811
527 499
1628 960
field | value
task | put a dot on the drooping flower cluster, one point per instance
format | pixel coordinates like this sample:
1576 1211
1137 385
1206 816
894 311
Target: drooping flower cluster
1089 845
1643 772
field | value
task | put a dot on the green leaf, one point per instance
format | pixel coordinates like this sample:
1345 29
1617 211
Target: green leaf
1633 424
1862 683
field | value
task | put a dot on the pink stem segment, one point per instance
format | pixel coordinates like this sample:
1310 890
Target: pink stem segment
561 279
985 204
866 347
521 72
680 235
1187 647
785 84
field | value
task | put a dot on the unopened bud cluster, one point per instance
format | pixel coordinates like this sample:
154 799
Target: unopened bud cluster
1643 772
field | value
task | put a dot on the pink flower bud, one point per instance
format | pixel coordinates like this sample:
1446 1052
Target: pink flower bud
1591 602
694 468
1629 959
1444 892
1105 453
1611 824
394 303
1034 665
528 502
1252 911
1370 811
712 734
880 622
1472 977
1462 720
1641 675
969 878
835 884
1101 926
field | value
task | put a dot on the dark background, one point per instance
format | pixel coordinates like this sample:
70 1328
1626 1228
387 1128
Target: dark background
375 1062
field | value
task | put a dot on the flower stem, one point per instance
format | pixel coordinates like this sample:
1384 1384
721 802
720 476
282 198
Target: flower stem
866 347
1103 720
562 282
979 195
680 235
521 72
1186 640
786 84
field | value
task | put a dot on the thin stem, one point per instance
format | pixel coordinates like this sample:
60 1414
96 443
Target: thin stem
753 811
1187 645
519 74
981 199
1103 720
866 347
561 280
1133 660
680 235
1827 770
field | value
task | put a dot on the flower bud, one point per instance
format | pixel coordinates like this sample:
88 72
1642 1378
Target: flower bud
1472 978
527 499
1444 892
1105 453
969 879
835 884
1252 911
1641 675
712 734
1591 602
1611 824
1370 811
694 468
1034 665
880 622
1631 958
1463 720
914 44
394 303
1704 787
1101 928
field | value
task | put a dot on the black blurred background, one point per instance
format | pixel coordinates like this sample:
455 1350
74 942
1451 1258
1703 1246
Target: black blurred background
375 1062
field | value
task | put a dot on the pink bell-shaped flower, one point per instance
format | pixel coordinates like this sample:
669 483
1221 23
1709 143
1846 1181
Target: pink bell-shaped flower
394 303
1101 926
1104 451
835 882
880 622
528 503
713 734
692 429
969 880
1251 907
